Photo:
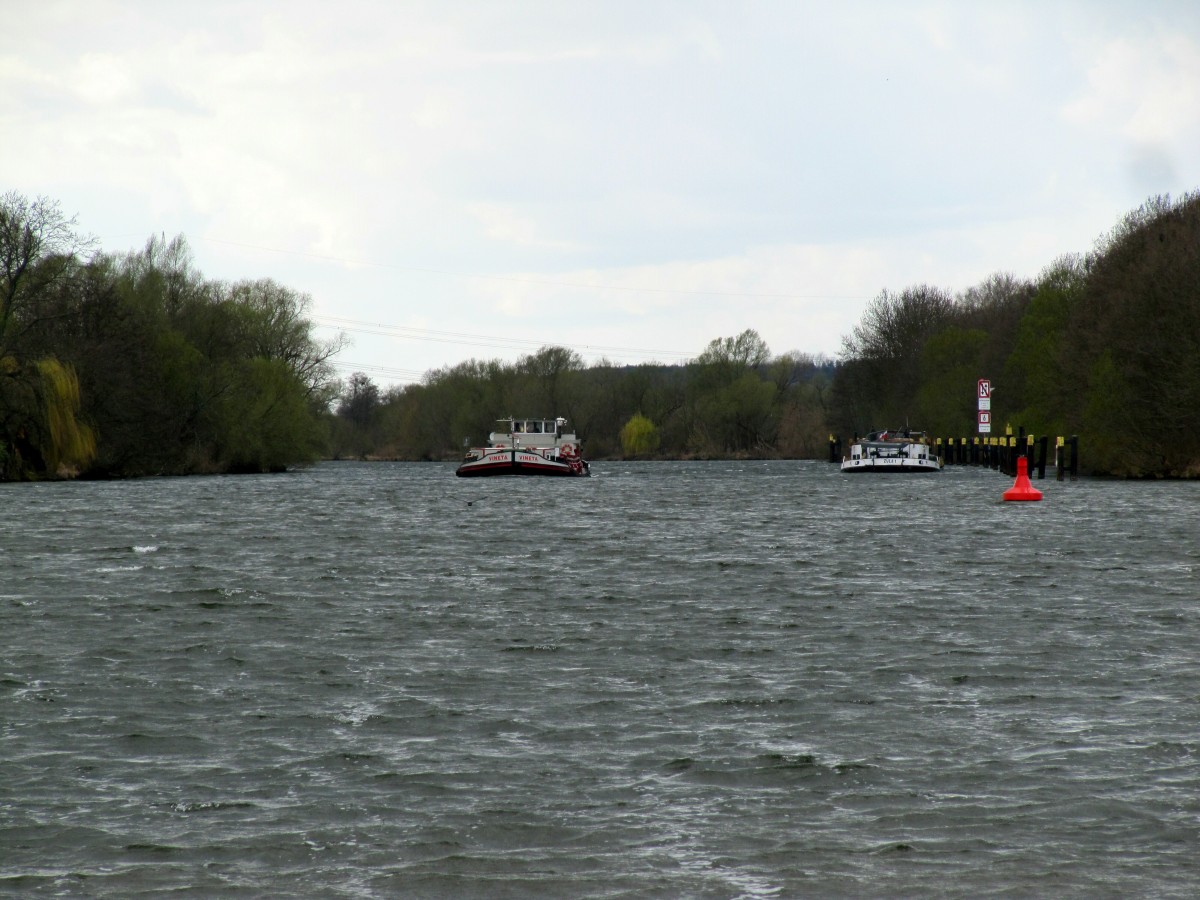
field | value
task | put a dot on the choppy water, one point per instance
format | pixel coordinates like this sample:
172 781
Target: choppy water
669 680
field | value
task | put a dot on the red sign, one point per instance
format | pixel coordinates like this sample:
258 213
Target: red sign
985 389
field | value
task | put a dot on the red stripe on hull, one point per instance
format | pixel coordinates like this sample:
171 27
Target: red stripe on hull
508 467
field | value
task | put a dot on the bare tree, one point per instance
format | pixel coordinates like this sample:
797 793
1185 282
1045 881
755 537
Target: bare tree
896 326
548 368
38 247
360 400
880 372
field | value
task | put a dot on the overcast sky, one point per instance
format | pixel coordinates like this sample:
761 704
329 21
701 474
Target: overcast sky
630 179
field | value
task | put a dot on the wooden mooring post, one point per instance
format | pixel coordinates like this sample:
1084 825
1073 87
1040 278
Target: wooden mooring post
1061 456
1042 444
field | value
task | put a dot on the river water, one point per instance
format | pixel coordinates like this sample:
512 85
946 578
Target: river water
761 679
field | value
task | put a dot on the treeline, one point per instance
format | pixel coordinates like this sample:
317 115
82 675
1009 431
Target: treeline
1103 345
735 399
116 366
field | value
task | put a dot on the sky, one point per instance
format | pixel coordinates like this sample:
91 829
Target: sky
475 180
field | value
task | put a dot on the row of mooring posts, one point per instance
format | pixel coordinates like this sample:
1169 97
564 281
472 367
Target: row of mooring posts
1000 453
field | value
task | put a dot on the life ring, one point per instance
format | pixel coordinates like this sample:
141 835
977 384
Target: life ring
567 449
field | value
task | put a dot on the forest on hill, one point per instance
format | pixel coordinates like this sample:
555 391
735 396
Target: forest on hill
117 366
120 366
1104 345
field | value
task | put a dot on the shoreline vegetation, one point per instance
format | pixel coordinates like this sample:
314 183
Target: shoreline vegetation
118 366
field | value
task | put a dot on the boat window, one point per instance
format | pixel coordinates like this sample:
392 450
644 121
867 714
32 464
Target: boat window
535 427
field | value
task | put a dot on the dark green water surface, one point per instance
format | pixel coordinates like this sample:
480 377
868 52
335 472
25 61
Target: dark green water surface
668 680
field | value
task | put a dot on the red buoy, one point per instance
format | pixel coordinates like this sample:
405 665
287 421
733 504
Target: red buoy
1022 489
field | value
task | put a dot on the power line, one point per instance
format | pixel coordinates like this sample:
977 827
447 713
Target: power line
482 340
409 375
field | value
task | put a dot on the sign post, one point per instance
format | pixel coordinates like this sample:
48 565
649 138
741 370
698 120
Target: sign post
983 393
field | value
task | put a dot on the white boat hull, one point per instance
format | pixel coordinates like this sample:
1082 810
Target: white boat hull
890 465
886 452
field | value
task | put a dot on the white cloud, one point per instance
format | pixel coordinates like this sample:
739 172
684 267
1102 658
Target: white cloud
1146 89
623 174
504 224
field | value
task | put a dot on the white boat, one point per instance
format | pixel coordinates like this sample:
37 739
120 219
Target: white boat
527 447
892 451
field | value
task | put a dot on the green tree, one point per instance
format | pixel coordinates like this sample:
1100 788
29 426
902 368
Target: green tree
725 360
1143 329
731 403
996 306
276 328
951 365
269 422
1112 446
1045 390
737 418
639 436
804 399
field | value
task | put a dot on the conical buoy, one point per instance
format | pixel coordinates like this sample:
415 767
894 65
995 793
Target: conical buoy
1022 489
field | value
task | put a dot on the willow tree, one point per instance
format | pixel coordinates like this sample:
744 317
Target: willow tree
39 419
639 436
68 445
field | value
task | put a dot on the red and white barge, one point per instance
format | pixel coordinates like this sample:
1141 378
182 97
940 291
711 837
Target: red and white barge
527 447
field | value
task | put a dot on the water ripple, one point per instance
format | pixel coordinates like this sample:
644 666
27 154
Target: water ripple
672 679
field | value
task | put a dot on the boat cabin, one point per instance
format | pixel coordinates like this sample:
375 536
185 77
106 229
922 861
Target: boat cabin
531 433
